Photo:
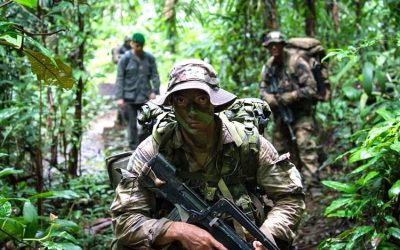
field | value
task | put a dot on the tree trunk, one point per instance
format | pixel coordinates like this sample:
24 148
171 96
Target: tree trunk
270 14
311 18
77 130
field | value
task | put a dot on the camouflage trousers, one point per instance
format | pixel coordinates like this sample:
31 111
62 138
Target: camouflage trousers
303 149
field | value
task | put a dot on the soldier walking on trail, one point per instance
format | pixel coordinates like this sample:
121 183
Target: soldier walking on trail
289 87
137 82
216 158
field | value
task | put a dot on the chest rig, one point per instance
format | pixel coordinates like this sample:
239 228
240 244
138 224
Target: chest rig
231 173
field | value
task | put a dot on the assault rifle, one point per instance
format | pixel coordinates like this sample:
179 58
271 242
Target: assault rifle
286 112
159 176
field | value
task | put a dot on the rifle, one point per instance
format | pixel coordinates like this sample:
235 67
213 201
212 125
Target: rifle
160 177
286 112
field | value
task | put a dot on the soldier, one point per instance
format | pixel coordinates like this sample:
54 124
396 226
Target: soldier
117 53
212 156
290 89
137 82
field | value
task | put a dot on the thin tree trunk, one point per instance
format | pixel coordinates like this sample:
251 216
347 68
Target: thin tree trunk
77 131
310 18
270 15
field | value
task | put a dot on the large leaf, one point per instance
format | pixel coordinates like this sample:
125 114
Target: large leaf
28 3
343 187
31 216
395 189
10 227
360 154
45 70
351 93
365 179
8 171
368 75
66 194
395 232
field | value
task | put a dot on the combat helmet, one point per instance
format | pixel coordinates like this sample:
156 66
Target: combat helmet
274 37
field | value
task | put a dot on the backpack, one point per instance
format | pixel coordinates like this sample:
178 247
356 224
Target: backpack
311 50
253 113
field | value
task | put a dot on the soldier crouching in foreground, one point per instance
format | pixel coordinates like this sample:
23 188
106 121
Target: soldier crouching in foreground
212 156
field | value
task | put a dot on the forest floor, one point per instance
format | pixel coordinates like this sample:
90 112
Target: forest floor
106 137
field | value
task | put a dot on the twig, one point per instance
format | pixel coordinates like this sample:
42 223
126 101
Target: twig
6 3
38 34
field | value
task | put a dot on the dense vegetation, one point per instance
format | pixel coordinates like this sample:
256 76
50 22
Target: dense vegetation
55 53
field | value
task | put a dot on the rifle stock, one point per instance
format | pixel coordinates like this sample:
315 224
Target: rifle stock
159 176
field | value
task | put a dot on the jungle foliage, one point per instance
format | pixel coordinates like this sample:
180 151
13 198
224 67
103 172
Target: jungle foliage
53 54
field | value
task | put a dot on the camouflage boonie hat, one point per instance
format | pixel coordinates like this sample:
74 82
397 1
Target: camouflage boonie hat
197 74
274 37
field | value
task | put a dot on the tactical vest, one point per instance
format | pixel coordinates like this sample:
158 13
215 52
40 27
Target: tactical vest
237 165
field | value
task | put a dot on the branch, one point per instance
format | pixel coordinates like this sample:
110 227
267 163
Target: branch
38 34
6 3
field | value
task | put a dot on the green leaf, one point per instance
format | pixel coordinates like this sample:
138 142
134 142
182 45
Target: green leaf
395 145
5 208
30 213
365 179
66 194
343 187
395 189
395 232
337 204
11 227
45 70
64 235
12 39
386 115
31 216
67 225
9 171
360 154
28 3
351 93
368 74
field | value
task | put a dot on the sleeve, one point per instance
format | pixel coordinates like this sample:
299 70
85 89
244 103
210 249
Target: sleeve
282 183
306 80
132 205
119 84
264 80
155 78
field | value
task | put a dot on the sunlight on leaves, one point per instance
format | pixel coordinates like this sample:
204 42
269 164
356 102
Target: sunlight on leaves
395 189
28 3
45 70
343 187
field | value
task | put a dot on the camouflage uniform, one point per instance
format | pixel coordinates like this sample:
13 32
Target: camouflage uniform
295 78
139 217
133 85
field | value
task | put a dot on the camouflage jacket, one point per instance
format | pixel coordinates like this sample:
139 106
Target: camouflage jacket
136 78
133 207
294 76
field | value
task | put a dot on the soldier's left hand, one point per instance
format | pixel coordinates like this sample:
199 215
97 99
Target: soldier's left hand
287 98
258 246
152 96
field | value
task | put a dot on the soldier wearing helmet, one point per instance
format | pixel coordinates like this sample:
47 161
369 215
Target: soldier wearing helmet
290 89
207 150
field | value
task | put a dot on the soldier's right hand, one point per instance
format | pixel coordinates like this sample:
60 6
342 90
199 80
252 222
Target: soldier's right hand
271 100
192 237
120 103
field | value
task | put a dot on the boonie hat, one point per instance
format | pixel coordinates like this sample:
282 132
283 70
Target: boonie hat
274 37
197 74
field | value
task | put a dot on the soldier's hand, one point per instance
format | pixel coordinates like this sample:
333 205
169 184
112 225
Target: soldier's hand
287 98
271 100
120 103
190 236
152 96
258 246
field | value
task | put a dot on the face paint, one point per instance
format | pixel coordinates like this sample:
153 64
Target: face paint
193 110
